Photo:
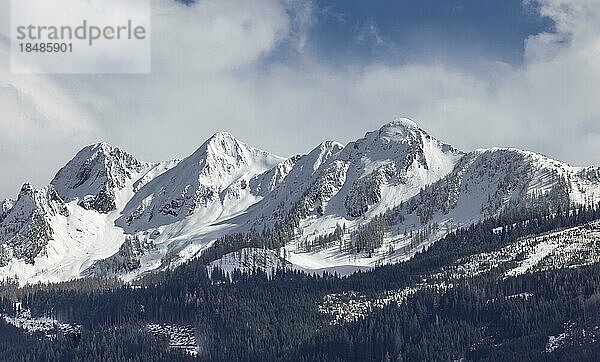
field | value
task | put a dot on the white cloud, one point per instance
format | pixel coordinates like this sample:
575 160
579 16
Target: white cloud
210 73
215 35
40 126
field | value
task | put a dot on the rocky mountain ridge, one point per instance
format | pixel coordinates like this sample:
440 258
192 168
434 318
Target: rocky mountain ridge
376 200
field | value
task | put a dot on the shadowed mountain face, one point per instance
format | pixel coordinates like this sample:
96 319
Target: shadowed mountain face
108 209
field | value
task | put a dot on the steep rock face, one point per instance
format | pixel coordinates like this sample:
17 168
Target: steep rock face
400 157
127 259
107 213
26 228
487 182
320 178
585 184
383 169
297 195
270 180
95 176
212 179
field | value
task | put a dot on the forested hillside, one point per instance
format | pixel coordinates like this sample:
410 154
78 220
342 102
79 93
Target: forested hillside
427 308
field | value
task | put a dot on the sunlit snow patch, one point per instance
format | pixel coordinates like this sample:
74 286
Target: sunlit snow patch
181 337
49 326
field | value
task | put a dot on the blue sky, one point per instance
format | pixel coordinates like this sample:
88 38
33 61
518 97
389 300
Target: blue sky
401 31
408 30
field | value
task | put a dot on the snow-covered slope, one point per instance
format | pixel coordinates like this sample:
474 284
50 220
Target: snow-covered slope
170 218
348 185
212 183
483 183
311 194
381 170
105 212
45 237
424 187
486 182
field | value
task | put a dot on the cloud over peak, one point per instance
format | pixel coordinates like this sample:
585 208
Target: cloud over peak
248 67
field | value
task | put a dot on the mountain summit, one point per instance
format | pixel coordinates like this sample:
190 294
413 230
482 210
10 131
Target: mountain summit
211 182
26 227
94 176
378 199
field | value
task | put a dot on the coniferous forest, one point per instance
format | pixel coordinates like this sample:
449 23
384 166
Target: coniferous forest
300 180
256 316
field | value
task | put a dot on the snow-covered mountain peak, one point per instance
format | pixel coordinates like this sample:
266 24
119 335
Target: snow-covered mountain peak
96 174
100 147
400 125
27 197
323 152
223 157
401 130
95 150
401 138
6 205
380 170
221 136
164 213
220 142
213 181
26 189
25 229
224 149
47 199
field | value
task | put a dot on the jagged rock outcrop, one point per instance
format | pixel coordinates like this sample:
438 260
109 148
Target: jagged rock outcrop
387 194
95 175
127 259
5 207
26 229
